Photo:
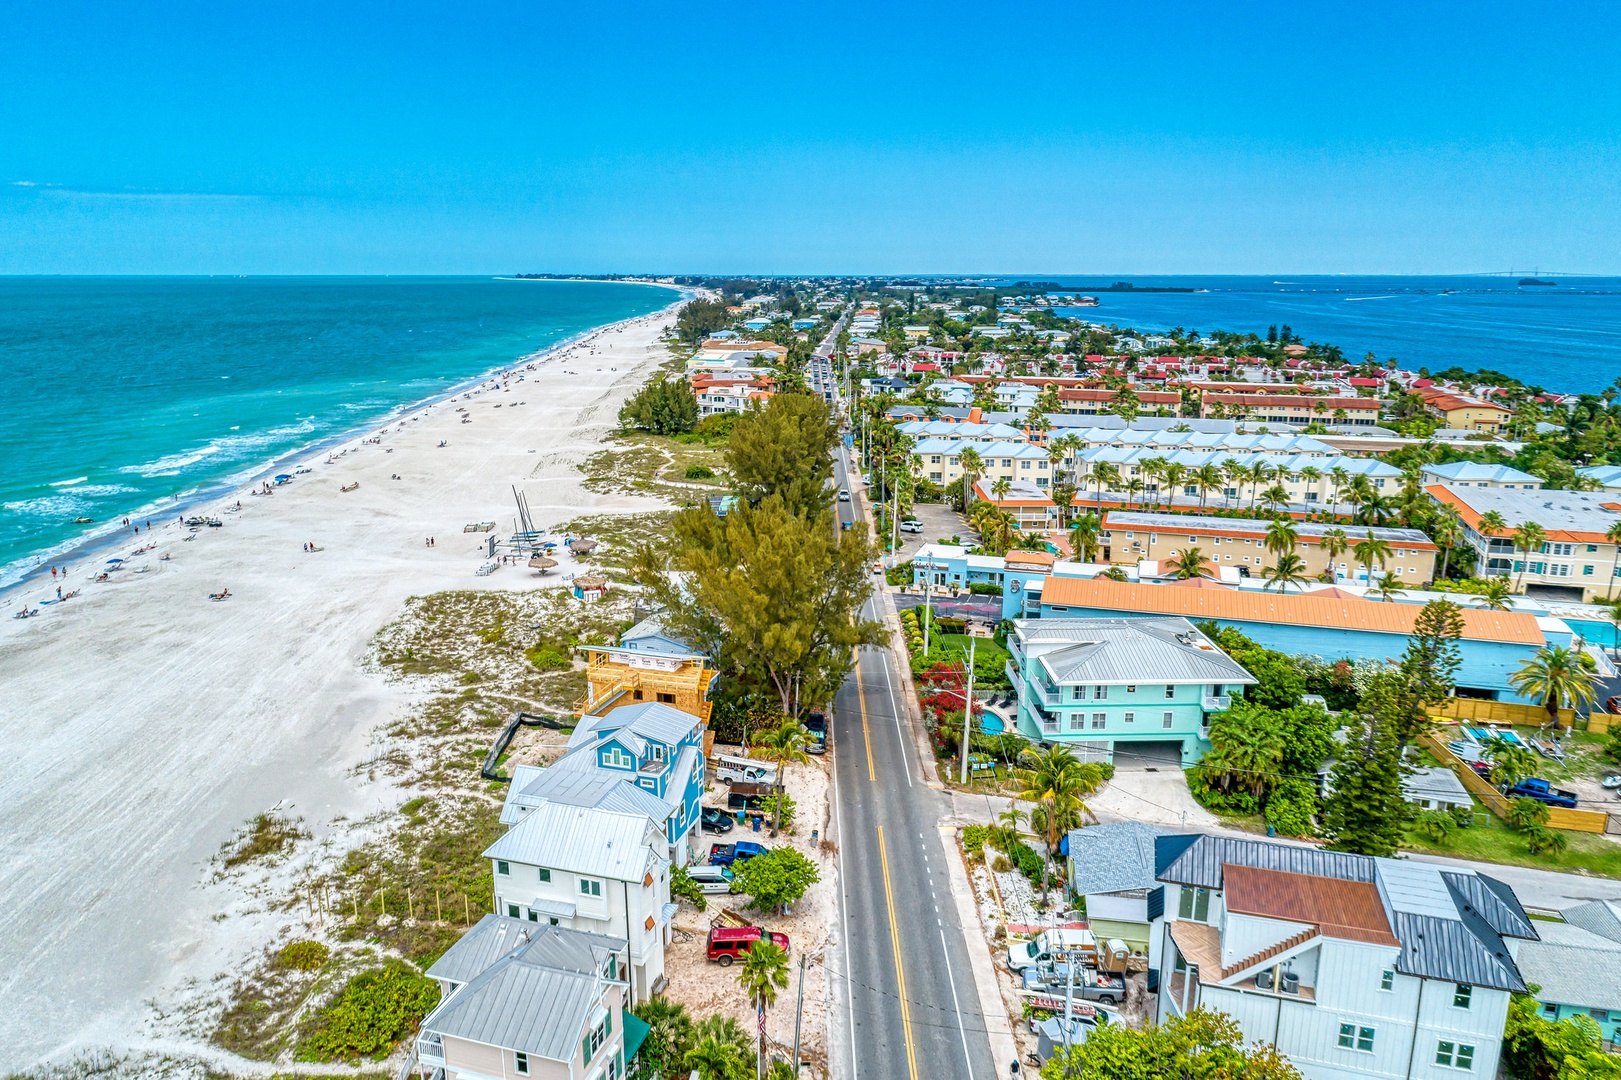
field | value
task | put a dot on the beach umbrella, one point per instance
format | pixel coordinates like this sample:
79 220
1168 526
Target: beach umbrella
115 560
542 563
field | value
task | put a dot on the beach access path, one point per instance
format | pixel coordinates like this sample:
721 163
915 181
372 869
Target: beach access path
142 723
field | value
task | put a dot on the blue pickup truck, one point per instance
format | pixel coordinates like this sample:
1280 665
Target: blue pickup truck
1542 792
742 851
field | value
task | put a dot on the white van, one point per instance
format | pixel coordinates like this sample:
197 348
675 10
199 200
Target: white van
711 879
734 770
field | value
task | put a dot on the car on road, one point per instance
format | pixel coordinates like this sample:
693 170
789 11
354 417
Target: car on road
816 724
844 495
716 821
729 943
730 854
911 525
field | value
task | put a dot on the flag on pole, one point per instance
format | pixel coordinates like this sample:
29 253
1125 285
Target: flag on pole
761 1011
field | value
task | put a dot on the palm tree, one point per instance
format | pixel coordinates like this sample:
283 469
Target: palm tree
1497 594
1175 475
1511 763
1290 569
764 972
1236 474
1556 674
719 1049
1613 535
972 467
1246 754
1370 551
1105 474
1134 488
1153 468
1387 588
1275 497
1190 562
1000 487
1281 537
1529 537
1310 475
1335 543
1057 781
1207 478
782 744
1259 473
1083 536
1446 532
1341 476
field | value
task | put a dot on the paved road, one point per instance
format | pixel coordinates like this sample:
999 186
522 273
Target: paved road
905 1005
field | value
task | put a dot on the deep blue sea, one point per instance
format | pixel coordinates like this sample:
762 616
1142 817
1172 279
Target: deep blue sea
121 393
1564 337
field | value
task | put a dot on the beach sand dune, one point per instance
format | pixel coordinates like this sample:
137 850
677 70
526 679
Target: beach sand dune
142 723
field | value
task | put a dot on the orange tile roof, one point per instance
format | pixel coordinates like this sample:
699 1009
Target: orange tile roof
1341 909
1239 605
1042 559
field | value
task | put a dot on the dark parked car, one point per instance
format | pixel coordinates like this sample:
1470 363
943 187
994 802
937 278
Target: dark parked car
816 724
742 851
717 821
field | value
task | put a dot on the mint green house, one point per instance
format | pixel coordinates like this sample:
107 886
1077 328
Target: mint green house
1138 689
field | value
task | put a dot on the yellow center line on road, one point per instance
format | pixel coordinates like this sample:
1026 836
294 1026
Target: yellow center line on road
900 972
866 732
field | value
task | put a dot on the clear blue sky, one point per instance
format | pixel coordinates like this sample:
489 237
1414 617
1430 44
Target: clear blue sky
939 137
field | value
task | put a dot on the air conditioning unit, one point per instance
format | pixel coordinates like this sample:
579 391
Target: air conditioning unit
1291 983
1263 981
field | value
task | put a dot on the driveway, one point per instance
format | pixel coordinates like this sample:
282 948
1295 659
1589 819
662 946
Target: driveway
940 523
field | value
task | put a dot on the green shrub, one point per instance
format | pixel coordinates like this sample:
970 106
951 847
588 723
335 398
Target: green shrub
549 657
984 588
370 1016
1290 808
1026 859
768 806
699 472
1435 825
684 888
974 838
302 955
1236 801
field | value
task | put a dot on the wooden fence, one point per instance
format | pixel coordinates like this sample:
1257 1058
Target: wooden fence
1499 712
1558 817
1598 723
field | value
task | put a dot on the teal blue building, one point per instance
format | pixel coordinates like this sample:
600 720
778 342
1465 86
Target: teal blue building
1111 687
1576 967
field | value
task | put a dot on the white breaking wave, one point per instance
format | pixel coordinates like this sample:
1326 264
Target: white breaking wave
68 483
228 446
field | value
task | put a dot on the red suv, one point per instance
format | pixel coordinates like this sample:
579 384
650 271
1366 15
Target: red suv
727 943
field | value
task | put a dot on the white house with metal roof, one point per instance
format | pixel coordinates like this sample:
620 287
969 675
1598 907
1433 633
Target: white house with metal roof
1352 966
1136 687
520 1000
1607 477
1476 474
592 869
1111 866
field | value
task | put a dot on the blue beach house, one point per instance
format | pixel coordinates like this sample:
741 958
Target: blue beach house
1120 687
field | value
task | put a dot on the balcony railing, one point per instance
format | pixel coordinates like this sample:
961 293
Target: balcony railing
430 1051
1216 702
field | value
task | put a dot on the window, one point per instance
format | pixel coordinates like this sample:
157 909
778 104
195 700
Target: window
1170 692
522 1063
502 868
1100 693
1550 1010
1077 721
1461 995
1167 720
534 916
1455 1055
544 874
1387 980
1587 570
1601 1015
512 911
616 758
1099 720
596 1037
590 887
1195 904
1129 690
1356 1038
1131 718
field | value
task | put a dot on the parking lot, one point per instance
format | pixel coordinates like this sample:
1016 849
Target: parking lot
940 522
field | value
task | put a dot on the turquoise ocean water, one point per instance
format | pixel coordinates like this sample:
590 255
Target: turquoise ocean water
121 393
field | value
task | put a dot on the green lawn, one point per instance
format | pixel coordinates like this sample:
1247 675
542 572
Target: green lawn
1495 842
990 659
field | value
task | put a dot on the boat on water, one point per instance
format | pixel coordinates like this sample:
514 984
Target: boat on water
83 520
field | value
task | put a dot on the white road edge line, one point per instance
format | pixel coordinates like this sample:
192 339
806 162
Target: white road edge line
895 710
844 920
952 980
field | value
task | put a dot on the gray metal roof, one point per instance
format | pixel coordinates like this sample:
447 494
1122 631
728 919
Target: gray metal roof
583 840
1133 650
524 1007
1602 917
1458 471
1573 966
1113 857
1435 782
575 779
1576 511
1450 923
495 936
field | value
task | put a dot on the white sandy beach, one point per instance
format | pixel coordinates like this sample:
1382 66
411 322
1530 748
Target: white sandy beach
143 723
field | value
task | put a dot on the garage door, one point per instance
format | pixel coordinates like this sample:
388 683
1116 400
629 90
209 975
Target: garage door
1147 755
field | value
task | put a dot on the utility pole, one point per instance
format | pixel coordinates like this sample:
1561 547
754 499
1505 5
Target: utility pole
799 1008
895 522
968 709
928 583
1069 994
